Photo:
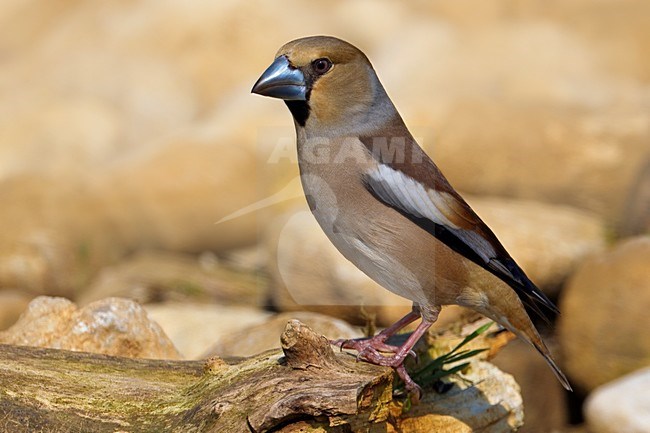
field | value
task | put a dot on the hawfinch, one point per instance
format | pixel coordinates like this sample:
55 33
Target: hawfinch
386 206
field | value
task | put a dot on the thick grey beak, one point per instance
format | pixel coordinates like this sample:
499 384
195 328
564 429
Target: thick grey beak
281 80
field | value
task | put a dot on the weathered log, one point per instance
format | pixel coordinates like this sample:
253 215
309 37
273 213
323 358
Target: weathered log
305 386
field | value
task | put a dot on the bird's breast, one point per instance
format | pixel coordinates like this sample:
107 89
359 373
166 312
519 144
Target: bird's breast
374 237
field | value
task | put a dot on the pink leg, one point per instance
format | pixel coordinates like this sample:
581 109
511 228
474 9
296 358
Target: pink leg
369 349
378 342
397 360
402 352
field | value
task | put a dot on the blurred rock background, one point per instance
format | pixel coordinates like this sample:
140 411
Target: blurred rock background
129 138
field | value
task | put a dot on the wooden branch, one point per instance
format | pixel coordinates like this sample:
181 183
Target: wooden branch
306 384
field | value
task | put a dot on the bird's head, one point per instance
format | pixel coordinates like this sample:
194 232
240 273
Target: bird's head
326 82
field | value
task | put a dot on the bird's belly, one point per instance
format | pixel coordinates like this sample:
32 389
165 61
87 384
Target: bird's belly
389 249
381 267
378 252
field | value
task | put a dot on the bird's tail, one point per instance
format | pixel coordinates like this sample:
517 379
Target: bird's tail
532 337
511 314
506 308
543 350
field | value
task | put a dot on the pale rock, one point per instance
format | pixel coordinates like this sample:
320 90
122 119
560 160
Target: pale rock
604 315
622 405
112 326
157 276
253 339
491 396
194 328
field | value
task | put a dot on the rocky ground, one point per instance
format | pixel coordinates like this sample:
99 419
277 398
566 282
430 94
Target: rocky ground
129 144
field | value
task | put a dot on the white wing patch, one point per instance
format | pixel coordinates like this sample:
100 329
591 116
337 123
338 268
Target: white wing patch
400 190
406 193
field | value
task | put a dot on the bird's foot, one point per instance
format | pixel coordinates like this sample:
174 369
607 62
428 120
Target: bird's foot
359 344
373 356
371 349
395 361
409 384
376 345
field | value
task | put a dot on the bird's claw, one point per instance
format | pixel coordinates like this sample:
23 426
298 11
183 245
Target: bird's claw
373 356
339 343
396 362
413 388
370 349
359 344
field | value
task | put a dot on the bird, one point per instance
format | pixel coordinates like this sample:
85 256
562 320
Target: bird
387 207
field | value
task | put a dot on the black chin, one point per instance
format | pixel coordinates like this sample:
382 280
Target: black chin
299 111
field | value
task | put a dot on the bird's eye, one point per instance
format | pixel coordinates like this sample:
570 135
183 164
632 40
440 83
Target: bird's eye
321 65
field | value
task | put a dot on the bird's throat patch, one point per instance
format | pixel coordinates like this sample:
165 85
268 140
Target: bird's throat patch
299 110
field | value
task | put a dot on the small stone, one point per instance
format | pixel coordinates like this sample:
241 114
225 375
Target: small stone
622 405
483 399
112 326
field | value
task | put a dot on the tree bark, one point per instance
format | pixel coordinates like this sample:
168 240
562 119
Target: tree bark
305 387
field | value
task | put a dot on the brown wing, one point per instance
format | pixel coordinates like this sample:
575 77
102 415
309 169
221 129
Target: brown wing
409 181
